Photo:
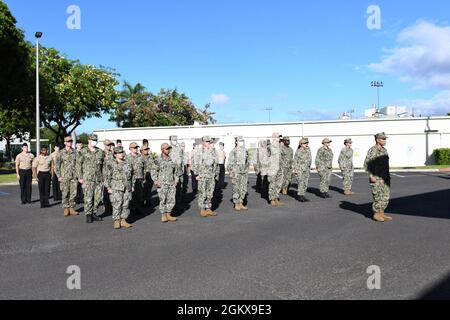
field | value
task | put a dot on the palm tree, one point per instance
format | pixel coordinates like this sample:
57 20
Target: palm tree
129 99
208 116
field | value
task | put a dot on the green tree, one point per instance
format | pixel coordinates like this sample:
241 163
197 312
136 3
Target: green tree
73 92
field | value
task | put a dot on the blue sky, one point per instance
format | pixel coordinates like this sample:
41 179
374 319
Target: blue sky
313 57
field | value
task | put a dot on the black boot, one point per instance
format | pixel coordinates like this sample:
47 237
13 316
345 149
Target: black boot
96 218
327 196
323 195
89 219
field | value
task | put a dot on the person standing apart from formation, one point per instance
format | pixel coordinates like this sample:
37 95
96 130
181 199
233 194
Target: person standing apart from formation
90 172
206 167
346 166
238 163
222 160
24 162
287 156
119 184
65 170
302 168
324 166
376 165
275 172
55 183
165 177
42 165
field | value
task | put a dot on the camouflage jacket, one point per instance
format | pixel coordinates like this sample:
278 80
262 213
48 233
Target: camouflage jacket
66 165
346 159
238 161
206 163
109 159
119 176
302 160
54 157
178 157
324 159
376 163
274 160
90 165
164 171
137 165
149 163
287 155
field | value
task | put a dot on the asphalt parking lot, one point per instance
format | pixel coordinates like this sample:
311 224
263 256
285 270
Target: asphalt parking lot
316 250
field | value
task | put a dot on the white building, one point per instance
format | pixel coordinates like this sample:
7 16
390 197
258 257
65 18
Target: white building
411 140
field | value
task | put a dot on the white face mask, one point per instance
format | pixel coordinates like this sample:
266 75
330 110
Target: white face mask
94 143
241 144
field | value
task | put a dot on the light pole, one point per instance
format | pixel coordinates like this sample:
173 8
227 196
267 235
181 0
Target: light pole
38 118
378 85
269 109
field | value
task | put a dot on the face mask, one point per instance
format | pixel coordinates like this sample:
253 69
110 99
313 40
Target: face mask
241 144
94 143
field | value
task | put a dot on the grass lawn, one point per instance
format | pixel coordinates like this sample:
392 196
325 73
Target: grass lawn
8 178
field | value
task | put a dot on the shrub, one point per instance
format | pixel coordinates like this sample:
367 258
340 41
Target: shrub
442 156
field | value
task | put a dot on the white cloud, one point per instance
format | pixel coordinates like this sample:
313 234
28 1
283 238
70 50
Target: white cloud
437 106
219 98
422 56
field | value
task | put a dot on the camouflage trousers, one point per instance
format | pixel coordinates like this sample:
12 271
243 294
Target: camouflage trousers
240 182
137 195
348 179
381 194
287 177
147 191
275 183
69 193
166 198
93 194
206 187
302 181
121 204
325 177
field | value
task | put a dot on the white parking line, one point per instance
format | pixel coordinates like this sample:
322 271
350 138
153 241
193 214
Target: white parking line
335 174
397 175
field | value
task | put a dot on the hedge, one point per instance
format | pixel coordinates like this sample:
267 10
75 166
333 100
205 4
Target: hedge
442 156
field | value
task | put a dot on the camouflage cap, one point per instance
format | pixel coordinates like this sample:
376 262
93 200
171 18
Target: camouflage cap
119 150
275 135
286 139
134 145
348 141
304 141
93 137
326 140
207 139
145 147
165 146
108 143
173 138
240 139
381 135
68 139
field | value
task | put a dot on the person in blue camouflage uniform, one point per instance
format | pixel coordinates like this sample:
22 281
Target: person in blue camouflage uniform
324 166
302 168
287 157
137 164
346 166
238 163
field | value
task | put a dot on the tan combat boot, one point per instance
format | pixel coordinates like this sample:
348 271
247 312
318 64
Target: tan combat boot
284 191
378 217
66 212
243 208
125 224
211 213
237 207
116 224
203 213
170 218
274 203
73 212
349 193
164 218
385 217
279 202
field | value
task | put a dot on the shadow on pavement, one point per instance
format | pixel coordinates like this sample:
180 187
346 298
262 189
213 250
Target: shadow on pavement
441 291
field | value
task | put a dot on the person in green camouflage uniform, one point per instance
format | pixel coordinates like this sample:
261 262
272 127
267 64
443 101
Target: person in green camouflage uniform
90 174
65 171
274 172
109 159
137 164
149 162
346 166
376 165
206 168
119 184
238 163
80 196
324 166
261 165
302 168
287 155
177 155
165 175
